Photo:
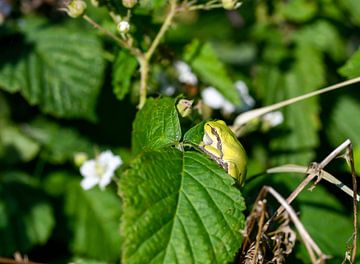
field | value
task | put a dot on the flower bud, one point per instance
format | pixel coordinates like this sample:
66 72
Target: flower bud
123 26
129 3
76 8
80 158
184 107
230 4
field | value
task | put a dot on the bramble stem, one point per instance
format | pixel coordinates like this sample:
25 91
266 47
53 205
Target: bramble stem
118 40
145 58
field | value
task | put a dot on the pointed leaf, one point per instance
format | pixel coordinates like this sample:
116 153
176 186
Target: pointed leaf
156 125
180 208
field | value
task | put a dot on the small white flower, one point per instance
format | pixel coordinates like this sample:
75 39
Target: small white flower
123 26
185 74
273 118
216 100
212 98
243 90
100 170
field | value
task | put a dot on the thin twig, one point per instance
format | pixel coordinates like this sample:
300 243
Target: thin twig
165 26
249 115
115 38
260 232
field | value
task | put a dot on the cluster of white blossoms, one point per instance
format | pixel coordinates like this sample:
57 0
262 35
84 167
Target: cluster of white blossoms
216 100
185 74
100 170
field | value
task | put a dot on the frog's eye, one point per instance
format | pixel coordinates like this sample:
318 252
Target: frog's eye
207 140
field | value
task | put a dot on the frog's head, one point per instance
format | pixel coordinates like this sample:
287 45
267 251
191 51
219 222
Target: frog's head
213 131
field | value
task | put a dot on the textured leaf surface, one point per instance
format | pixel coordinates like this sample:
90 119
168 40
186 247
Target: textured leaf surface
179 208
94 215
203 59
58 68
123 69
26 218
156 125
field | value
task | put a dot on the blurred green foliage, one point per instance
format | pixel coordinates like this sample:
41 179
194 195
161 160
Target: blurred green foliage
66 88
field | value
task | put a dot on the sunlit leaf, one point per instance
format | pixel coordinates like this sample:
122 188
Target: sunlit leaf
156 125
179 208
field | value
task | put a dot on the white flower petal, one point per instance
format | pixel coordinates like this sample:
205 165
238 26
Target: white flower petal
185 74
212 98
243 90
88 169
105 180
88 183
228 107
99 171
274 118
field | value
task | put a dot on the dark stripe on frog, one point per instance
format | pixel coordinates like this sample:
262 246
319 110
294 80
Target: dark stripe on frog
219 144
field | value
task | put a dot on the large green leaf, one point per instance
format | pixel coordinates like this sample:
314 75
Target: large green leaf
156 125
56 67
26 218
203 59
94 217
179 207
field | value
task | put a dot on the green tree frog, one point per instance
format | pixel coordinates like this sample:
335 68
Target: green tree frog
221 145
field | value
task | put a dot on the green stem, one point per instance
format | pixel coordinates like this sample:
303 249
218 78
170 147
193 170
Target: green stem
144 60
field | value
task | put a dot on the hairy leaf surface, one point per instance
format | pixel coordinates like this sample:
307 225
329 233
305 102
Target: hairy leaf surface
179 207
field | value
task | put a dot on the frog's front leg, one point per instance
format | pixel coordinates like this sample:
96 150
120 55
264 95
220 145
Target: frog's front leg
213 152
234 171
